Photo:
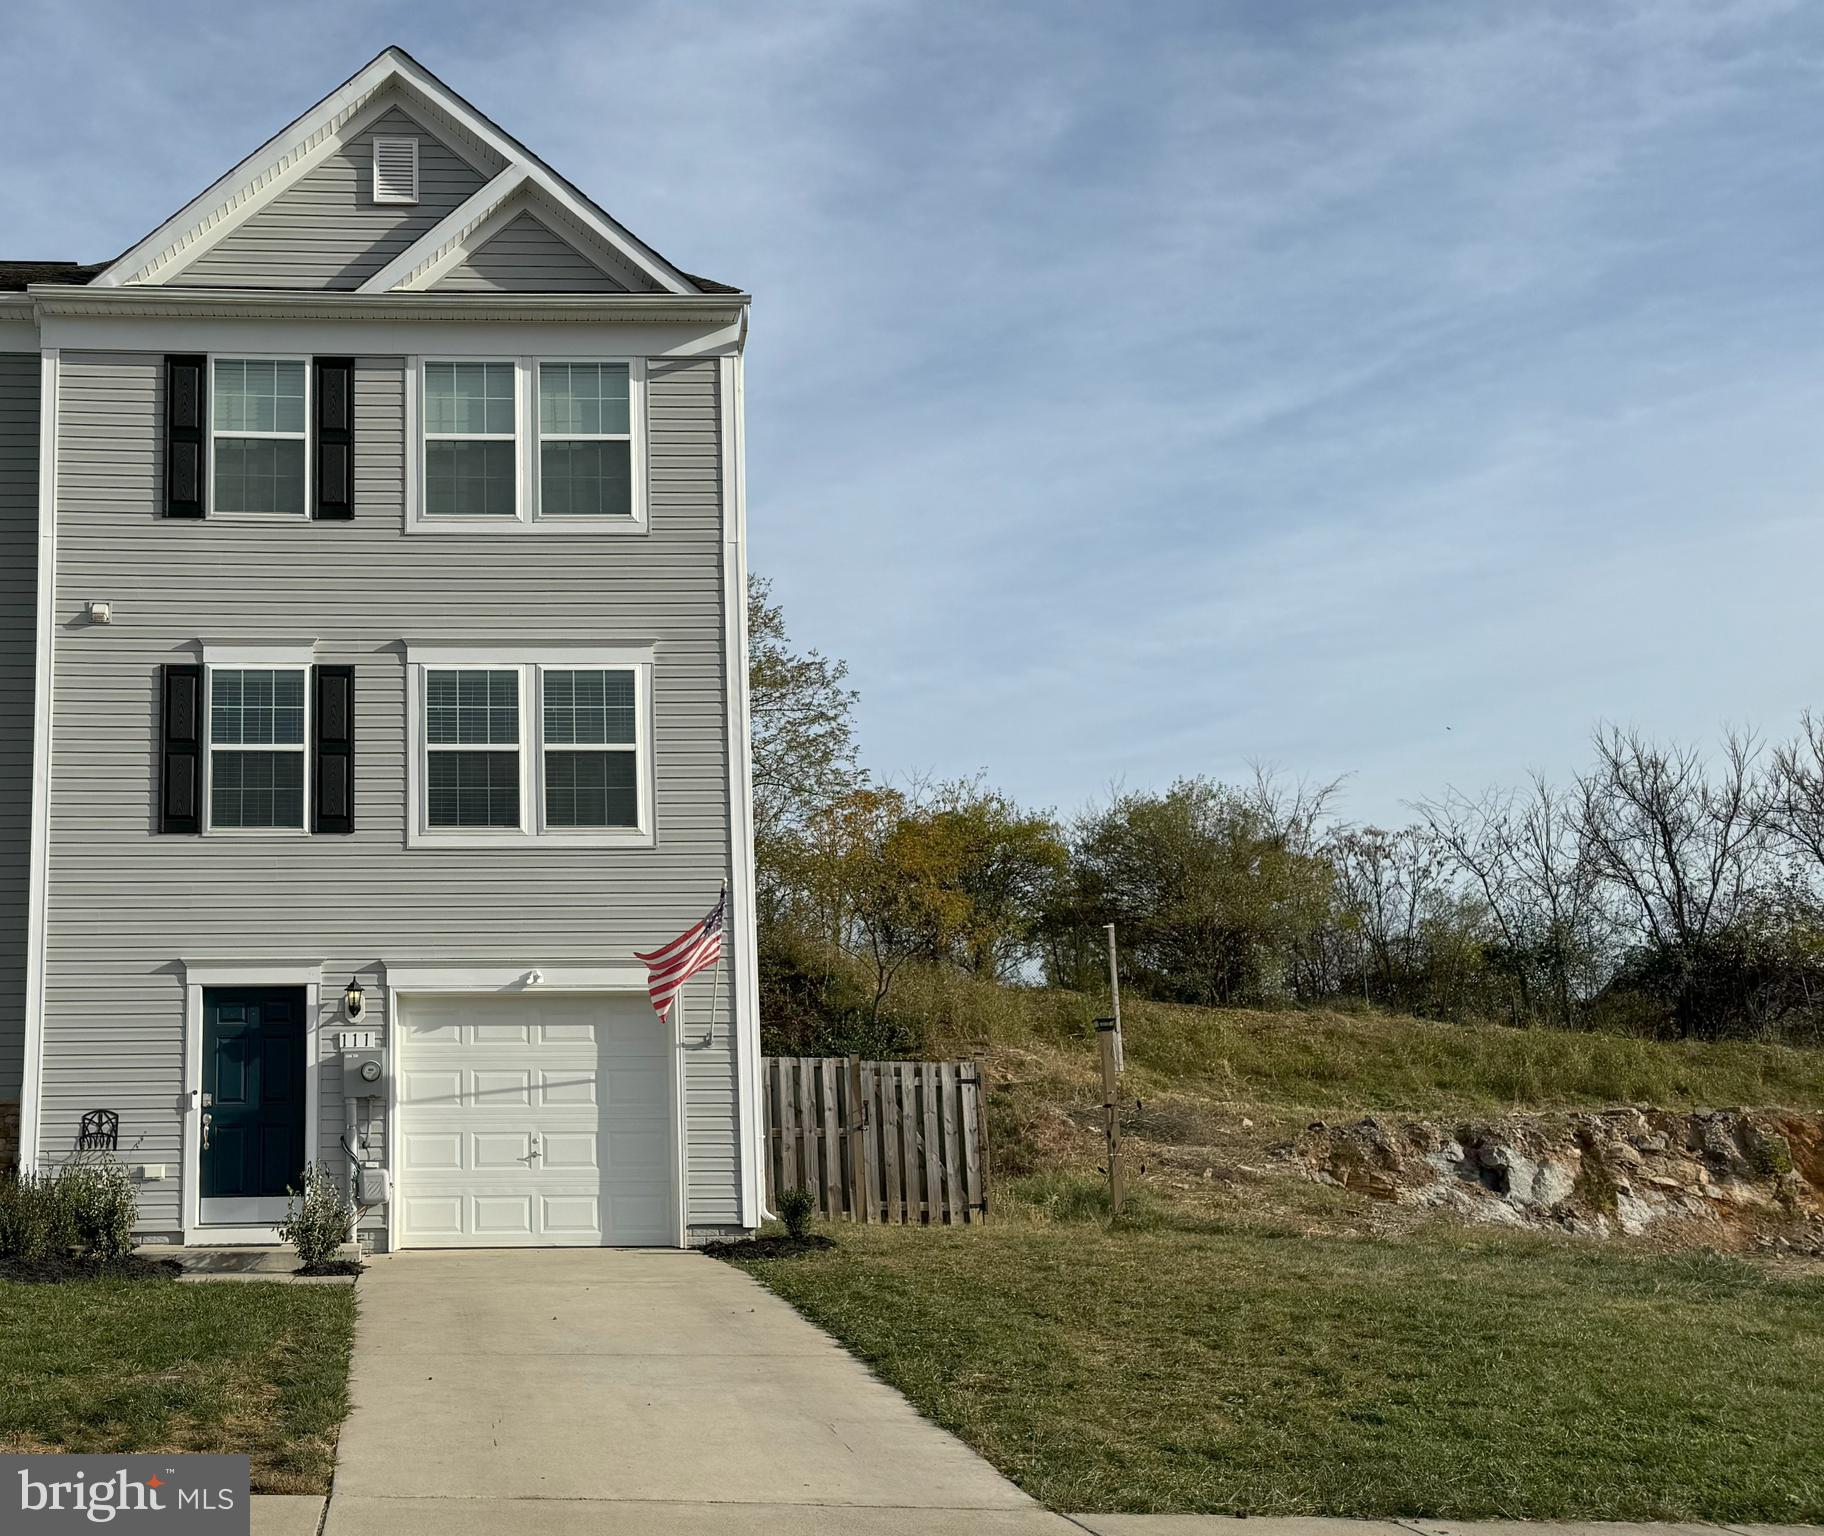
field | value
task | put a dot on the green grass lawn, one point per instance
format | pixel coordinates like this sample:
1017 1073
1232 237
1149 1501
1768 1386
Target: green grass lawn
1445 1374
152 1365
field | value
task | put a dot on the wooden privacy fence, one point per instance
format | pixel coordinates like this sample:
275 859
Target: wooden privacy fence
892 1141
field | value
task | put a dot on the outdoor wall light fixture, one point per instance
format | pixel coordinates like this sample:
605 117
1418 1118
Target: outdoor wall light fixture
355 998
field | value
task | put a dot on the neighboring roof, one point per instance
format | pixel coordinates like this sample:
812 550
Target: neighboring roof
15 275
709 284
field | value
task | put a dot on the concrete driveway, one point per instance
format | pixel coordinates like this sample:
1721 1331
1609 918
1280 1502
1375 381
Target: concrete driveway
593 1390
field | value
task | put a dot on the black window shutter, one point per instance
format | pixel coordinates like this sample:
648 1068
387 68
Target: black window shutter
333 771
186 418
333 445
180 750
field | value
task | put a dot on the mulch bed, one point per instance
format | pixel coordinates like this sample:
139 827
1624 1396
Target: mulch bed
53 1271
769 1247
332 1267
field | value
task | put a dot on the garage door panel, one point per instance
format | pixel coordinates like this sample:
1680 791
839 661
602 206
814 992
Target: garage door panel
556 1032
645 1215
636 1086
502 1215
567 1150
432 1152
572 1215
429 1217
418 1085
494 1150
528 1122
575 1085
501 1088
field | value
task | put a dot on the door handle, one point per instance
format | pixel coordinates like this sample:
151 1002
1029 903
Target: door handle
208 1120
535 1151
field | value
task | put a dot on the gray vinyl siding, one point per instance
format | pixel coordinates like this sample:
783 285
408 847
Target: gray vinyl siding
18 632
526 257
126 904
327 231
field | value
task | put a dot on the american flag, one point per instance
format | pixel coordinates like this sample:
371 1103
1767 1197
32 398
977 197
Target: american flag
695 949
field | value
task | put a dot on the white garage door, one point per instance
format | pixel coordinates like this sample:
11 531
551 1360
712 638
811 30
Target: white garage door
534 1123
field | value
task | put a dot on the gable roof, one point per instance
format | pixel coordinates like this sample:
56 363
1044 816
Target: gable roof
289 156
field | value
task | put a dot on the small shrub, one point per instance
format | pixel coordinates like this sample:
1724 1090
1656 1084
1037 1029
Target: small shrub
318 1218
87 1204
35 1218
102 1208
796 1207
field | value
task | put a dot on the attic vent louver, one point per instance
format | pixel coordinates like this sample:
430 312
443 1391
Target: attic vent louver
395 170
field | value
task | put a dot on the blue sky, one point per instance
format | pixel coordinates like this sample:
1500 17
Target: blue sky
1136 390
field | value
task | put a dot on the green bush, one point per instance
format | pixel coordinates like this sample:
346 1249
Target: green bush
103 1209
796 1207
88 1205
319 1218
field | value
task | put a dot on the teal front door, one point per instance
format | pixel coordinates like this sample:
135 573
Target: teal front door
253 1102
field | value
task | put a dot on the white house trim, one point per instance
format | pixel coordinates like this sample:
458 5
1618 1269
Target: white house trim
174 244
426 337
199 974
461 976
32 1074
745 972
446 234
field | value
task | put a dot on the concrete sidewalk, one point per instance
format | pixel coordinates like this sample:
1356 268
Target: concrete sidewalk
1229 1525
601 1391
1301 1525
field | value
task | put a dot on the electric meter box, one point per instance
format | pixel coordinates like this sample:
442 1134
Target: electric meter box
363 1074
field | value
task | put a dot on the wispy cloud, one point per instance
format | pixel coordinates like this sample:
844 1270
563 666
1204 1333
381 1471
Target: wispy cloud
1140 390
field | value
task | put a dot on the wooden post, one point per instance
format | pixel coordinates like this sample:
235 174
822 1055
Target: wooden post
1111 1115
861 1195
1108 1038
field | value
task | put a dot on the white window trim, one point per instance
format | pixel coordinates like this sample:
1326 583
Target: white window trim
255 656
530 663
527 516
310 384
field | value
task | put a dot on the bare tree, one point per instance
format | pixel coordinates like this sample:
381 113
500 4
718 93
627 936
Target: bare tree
1796 804
1524 856
1681 850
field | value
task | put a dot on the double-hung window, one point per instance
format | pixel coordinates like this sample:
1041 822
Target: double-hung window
591 747
540 444
259 420
473 747
471 444
256 762
585 440
510 747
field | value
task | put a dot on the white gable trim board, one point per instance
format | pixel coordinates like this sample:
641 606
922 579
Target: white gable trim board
285 158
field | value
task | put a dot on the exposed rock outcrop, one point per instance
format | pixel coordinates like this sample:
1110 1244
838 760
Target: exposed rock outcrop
1618 1170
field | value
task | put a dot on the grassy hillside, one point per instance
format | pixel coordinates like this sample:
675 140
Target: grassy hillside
1207 1087
1347 1060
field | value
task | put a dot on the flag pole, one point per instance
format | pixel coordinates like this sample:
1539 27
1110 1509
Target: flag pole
715 999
